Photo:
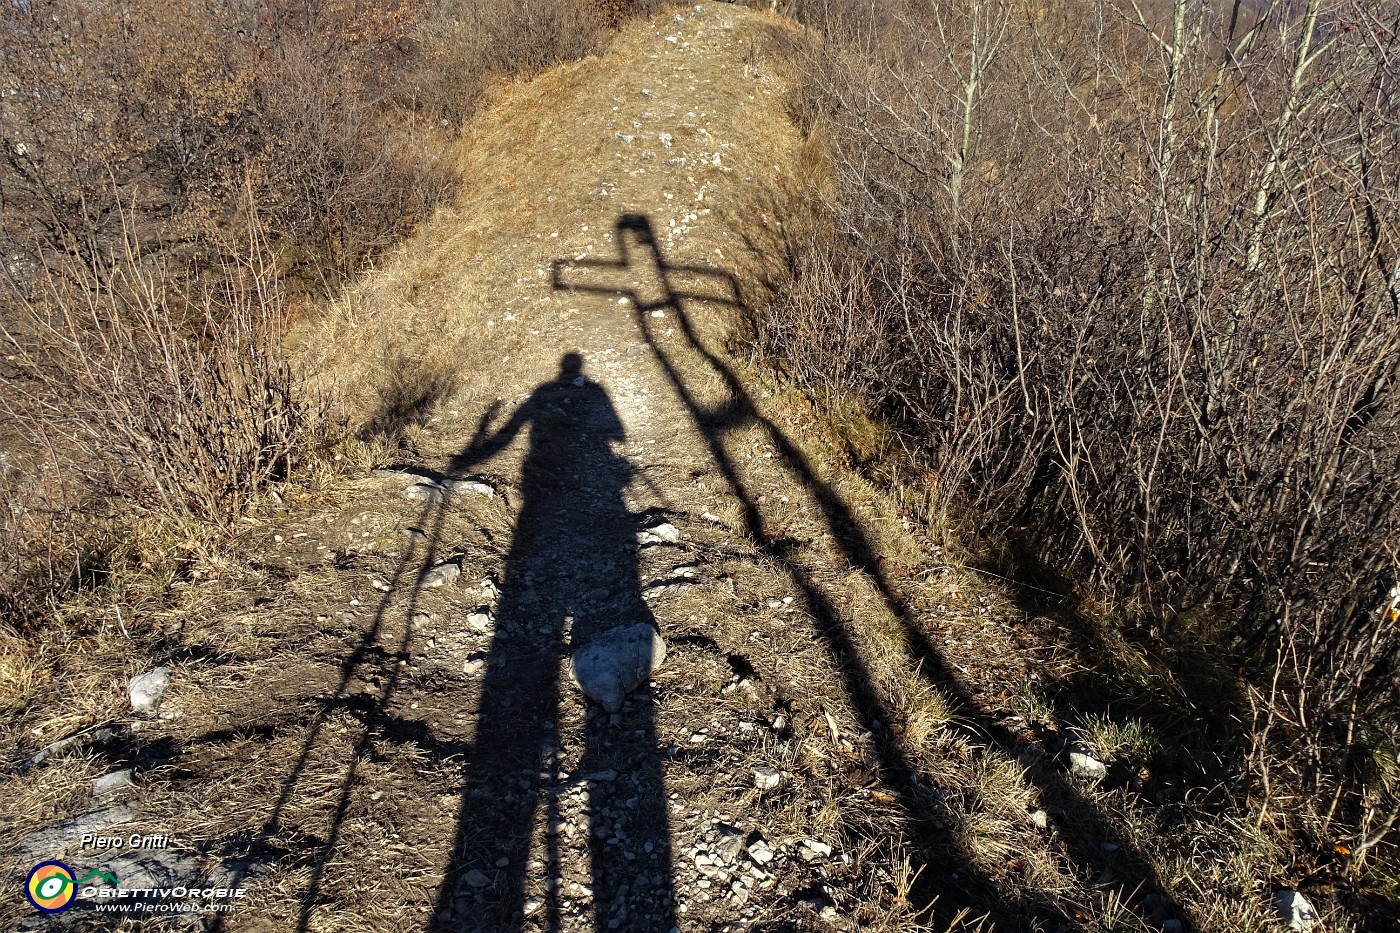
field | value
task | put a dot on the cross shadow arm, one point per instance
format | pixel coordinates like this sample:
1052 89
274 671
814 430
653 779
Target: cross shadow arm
638 227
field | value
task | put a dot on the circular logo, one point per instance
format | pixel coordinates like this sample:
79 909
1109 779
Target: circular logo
50 887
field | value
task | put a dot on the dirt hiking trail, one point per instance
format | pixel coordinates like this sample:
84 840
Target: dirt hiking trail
372 723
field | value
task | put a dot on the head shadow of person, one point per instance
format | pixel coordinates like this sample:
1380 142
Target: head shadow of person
571 574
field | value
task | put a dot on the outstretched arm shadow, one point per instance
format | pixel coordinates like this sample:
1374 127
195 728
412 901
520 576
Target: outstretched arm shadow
484 444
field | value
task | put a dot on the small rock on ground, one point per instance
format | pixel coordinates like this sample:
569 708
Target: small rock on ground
1087 766
665 533
766 778
472 487
426 492
1295 910
146 690
113 785
443 574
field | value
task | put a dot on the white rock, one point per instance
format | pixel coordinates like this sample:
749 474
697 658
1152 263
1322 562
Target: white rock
147 689
112 785
812 850
443 574
425 492
1087 766
477 879
616 663
1041 819
664 533
471 487
665 140
766 778
1293 909
760 852
479 621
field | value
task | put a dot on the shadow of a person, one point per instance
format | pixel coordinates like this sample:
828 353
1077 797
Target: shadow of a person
571 574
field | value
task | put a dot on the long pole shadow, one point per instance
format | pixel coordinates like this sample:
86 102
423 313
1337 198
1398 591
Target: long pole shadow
368 656
942 858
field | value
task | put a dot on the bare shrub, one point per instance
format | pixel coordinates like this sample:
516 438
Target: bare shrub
34 556
470 41
172 392
1132 282
137 106
347 178
152 120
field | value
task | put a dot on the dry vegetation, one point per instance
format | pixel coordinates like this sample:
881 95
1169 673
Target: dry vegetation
1123 278
1117 284
179 182
176 181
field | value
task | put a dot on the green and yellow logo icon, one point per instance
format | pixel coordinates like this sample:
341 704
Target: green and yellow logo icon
50 887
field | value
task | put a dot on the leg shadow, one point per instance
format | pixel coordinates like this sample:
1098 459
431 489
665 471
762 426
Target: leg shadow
368 662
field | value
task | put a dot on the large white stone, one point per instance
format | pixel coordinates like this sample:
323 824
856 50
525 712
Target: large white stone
664 533
471 487
616 663
1087 766
1293 909
146 690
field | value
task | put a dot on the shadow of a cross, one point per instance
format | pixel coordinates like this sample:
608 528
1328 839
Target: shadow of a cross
630 276
633 268
947 881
